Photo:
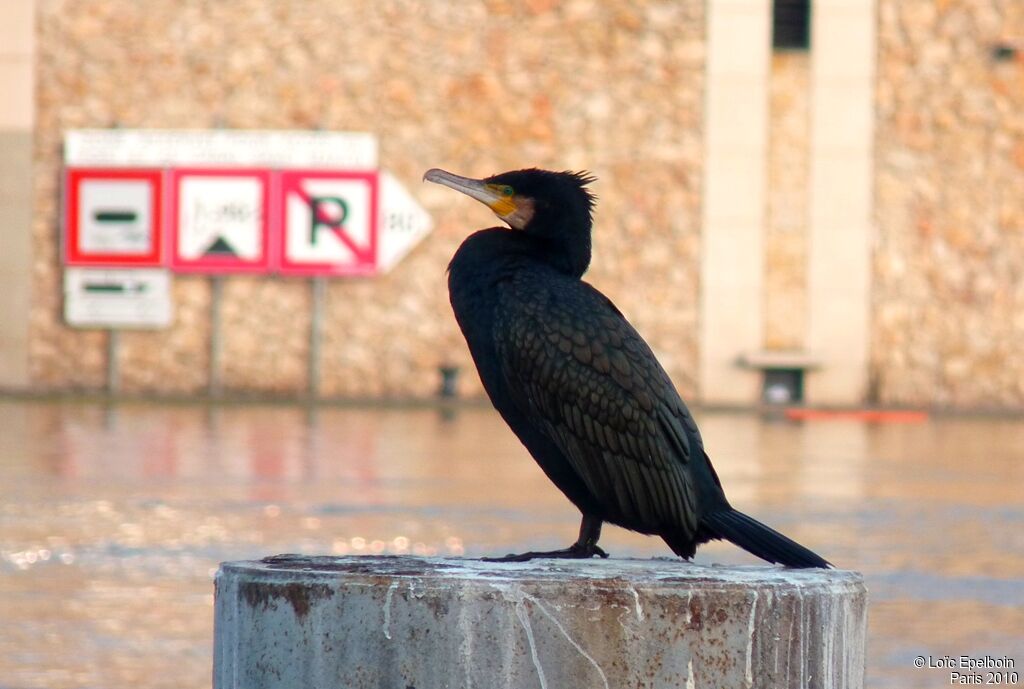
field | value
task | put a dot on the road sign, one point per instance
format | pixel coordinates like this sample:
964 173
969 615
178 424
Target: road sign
276 149
328 222
299 203
113 217
117 298
403 223
219 220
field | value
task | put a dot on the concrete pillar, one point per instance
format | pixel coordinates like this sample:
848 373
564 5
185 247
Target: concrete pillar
736 149
401 622
840 216
17 76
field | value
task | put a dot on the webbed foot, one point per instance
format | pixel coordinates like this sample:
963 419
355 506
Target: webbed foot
576 551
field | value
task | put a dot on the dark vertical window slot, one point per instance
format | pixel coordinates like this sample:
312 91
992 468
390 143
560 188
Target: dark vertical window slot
791 24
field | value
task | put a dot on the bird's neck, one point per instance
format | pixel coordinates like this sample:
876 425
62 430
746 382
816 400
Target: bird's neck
486 258
569 255
563 239
489 256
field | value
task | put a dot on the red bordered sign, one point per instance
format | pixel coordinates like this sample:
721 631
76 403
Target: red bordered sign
114 217
328 222
221 220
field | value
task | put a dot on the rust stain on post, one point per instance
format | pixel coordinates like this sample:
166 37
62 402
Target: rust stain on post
301 596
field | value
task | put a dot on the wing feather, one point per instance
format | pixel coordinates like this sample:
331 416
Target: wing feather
586 377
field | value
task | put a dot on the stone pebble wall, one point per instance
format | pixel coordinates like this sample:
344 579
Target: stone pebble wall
476 87
948 291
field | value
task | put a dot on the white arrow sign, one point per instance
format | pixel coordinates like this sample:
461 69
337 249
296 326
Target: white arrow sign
403 223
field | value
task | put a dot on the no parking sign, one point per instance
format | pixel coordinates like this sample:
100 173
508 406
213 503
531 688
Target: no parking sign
328 222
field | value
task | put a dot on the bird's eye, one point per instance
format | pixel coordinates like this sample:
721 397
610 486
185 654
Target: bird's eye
506 190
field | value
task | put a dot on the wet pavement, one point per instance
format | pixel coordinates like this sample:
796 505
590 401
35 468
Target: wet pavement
113 520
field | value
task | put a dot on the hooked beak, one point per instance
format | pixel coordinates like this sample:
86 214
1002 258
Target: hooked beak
478 189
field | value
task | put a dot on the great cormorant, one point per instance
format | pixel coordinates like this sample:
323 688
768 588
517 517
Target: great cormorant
577 384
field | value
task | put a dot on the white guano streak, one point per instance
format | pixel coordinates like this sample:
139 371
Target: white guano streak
636 600
524 619
570 640
387 609
748 676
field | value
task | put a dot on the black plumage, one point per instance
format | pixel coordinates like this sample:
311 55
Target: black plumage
576 382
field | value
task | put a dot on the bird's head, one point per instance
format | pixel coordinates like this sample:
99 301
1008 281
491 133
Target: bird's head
555 206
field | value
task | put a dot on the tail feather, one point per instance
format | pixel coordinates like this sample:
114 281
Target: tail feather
760 540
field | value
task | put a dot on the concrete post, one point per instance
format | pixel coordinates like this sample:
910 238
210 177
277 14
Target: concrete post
410 623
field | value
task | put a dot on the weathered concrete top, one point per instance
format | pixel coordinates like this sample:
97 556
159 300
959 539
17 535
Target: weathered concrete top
671 573
425 622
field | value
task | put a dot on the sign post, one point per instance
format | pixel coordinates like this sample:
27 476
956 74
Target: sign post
143 204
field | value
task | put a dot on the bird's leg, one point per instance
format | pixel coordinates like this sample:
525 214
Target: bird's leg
590 533
585 546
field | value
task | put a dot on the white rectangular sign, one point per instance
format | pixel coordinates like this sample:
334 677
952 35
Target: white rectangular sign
221 223
117 298
225 212
227 147
115 216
